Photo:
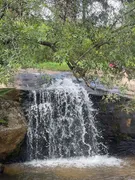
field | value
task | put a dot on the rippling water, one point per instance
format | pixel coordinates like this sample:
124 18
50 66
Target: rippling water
98 168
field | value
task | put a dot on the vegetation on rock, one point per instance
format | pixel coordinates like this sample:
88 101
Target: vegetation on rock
3 122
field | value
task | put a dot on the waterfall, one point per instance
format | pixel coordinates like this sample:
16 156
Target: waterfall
61 122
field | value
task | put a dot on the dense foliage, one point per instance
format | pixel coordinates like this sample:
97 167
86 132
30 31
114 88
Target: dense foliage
87 35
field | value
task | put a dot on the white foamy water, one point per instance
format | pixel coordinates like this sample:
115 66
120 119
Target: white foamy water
78 162
62 129
62 123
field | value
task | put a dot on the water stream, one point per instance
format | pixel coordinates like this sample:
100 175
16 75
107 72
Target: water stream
61 123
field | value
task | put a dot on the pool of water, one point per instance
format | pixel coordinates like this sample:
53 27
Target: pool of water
95 168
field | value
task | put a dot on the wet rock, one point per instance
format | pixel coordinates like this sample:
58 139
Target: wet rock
13 130
126 148
117 127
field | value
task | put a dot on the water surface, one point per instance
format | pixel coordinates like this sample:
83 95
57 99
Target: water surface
99 169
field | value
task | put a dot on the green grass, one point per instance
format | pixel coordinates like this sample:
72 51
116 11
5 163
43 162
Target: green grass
52 66
4 91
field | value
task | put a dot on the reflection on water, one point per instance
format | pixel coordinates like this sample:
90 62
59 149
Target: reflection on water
29 176
126 171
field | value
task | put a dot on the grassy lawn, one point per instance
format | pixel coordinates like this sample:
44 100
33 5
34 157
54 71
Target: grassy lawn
52 66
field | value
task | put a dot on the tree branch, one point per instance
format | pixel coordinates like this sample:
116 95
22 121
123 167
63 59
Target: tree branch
117 19
97 46
49 44
3 10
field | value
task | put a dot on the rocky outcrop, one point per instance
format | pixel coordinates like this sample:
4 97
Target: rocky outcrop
31 79
118 127
12 127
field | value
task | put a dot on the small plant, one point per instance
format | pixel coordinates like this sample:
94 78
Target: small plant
3 122
111 98
4 91
129 107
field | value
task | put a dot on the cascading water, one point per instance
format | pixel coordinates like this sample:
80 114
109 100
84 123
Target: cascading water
61 123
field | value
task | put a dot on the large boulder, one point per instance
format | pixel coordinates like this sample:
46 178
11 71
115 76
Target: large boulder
13 127
117 127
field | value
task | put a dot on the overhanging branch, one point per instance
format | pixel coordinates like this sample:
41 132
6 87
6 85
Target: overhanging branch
48 44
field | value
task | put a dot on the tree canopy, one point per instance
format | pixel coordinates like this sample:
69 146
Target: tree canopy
86 34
